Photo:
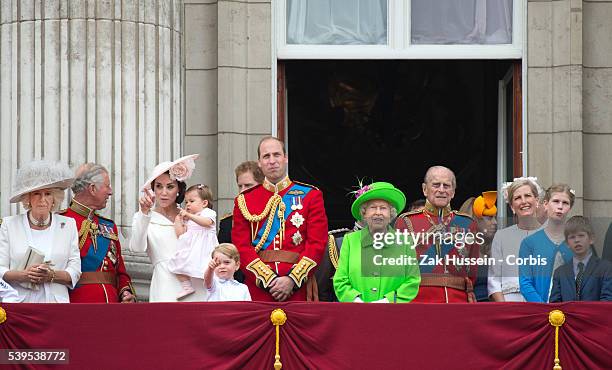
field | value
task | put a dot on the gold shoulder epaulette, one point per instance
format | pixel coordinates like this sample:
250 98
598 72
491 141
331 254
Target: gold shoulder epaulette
227 215
463 214
62 211
338 231
332 250
305 184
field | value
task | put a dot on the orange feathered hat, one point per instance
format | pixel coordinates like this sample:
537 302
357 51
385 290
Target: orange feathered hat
484 205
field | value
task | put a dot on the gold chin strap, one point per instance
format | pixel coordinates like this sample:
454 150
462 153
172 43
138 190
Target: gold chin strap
274 203
88 228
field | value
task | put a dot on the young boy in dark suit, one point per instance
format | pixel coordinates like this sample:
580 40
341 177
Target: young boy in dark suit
586 277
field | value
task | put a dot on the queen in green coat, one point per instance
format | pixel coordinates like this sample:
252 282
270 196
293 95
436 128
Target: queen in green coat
376 265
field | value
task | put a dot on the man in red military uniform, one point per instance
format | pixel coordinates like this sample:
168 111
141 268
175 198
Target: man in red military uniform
103 278
280 229
445 241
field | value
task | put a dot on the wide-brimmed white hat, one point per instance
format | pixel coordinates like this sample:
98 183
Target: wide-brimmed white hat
180 169
38 175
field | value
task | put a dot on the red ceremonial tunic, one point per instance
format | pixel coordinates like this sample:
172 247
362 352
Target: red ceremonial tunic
305 235
112 262
442 257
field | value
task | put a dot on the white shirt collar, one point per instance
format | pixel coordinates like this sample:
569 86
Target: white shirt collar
585 260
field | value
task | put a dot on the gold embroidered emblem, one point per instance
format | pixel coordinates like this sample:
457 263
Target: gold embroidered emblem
263 273
301 269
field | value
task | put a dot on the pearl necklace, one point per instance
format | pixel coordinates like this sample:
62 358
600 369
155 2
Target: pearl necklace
37 223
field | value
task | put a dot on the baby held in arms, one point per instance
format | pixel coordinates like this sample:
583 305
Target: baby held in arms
195 228
219 277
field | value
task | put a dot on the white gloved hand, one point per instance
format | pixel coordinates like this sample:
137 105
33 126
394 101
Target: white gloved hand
358 300
384 300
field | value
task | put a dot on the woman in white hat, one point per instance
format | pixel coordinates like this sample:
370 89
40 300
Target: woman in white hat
153 228
39 253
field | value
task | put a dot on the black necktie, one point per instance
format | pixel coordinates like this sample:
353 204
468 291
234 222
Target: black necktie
579 278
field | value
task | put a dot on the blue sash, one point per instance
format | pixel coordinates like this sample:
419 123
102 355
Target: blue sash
93 260
275 221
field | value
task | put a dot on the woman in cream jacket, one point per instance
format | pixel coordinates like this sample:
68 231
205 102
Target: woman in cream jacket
39 253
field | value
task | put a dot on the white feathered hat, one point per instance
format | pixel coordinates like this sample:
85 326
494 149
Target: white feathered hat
180 169
41 174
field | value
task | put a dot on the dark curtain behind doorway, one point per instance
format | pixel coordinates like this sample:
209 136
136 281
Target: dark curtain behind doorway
389 121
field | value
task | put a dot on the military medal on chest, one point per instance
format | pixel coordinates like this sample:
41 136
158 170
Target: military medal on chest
297 238
296 202
437 228
107 232
297 220
112 253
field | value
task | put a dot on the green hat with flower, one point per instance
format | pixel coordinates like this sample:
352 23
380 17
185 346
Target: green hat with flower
378 190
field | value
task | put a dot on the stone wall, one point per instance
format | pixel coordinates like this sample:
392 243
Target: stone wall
91 81
569 95
554 94
597 116
228 88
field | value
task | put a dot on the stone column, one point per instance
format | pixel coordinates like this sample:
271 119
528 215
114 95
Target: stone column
554 94
91 81
228 88
244 81
597 98
201 91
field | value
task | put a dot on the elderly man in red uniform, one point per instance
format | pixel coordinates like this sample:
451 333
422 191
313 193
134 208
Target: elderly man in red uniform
446 242
104 278
280 229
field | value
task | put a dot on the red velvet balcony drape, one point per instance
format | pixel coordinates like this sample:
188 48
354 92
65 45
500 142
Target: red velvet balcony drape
315 336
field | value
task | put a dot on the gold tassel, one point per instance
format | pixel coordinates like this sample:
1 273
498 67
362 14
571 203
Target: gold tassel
281 218
556 318
2 315
278 318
